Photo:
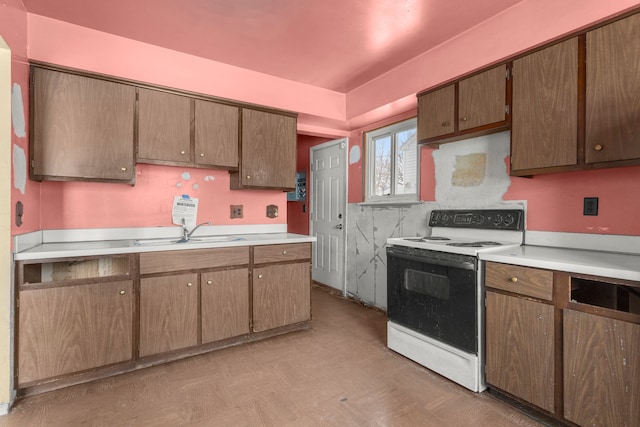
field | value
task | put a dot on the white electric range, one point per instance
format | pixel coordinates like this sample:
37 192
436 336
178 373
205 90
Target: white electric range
434 290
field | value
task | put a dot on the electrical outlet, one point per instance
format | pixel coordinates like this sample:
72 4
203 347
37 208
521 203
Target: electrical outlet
590 206
236 211
272 211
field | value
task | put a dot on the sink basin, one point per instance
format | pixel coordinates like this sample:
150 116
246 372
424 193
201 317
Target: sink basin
174 241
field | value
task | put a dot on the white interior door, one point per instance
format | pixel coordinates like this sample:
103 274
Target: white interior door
328 194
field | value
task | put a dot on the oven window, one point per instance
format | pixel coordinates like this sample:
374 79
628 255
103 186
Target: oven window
425 283
439 301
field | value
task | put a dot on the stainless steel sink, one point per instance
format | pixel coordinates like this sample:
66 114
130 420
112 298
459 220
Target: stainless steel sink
175 241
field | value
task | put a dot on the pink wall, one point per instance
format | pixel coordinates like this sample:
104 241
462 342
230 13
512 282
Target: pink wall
13 29
298 212
555 201
149 202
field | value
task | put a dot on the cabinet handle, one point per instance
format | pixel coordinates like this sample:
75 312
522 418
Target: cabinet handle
514 279
259 276
598 147
209 282
123 292
201 154
182 152
123 169
464 119
189 284
284 252
445 124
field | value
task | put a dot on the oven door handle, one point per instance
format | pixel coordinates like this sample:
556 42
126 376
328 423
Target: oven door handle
463 265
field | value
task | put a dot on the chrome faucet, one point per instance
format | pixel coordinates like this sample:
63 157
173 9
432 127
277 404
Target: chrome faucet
186 234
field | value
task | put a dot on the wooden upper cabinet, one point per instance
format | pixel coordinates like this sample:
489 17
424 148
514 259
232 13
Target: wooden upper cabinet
613 89
164 127
82 128
436 113
268 151
216 134
544 130
472 106
482 98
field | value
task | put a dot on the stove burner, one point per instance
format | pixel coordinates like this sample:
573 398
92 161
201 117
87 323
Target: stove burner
425 239
474 244
465 244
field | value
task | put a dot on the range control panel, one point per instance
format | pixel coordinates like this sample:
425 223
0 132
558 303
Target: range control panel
489 219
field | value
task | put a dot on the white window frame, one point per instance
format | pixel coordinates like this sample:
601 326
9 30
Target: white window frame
370 196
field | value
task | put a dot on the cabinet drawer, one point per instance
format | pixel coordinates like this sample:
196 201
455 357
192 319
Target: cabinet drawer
522 280
160 262
279 253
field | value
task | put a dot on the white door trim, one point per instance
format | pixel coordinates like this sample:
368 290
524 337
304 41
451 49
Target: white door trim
345 176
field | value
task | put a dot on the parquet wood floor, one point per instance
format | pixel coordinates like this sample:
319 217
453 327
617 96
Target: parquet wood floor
338 373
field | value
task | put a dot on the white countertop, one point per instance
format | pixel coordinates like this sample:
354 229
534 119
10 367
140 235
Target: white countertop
598 263
35 246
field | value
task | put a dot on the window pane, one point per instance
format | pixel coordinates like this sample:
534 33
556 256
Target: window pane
406 162
382 166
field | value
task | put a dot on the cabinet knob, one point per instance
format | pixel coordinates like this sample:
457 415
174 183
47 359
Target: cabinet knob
189 284
201 154
248 176
209 282
123 292
445 124
182 152
514 279
463 119
123 169
284 252
598 147
259 276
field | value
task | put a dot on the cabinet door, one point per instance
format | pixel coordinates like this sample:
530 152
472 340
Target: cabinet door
225 304
482 98
601 370
268 150
436 113
281 295
164 126
73 328
612 107
168 313
544 127
82 128
216 134
520 349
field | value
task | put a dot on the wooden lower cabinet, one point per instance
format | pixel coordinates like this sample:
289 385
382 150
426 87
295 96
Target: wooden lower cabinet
62 330
281 295
168 313
601 370
520 348
225 304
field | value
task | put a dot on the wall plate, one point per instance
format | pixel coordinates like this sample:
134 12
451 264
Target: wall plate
590 206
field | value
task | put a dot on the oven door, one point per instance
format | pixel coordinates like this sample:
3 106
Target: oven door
435 294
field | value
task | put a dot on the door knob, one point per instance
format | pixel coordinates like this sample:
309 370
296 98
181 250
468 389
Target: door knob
339 226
